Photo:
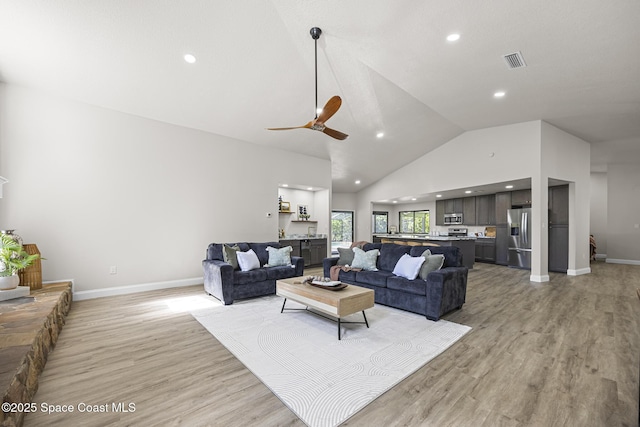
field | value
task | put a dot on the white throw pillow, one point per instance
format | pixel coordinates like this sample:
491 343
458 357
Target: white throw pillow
408 266
248 260
365 260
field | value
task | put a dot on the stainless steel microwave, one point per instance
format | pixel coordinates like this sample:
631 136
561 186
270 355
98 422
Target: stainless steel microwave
453 219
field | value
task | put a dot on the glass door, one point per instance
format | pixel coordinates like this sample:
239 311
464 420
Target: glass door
341 230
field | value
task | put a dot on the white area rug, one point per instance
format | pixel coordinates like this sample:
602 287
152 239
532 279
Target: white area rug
322 380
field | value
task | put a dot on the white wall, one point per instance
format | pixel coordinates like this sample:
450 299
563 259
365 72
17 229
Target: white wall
623 213
598 218
95 188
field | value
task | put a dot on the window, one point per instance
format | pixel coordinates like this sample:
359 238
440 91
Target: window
415 222
380 222
341 230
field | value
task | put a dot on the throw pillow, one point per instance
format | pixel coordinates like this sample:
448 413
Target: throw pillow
229 255
432 262
346 256
248 260
408 266
365 260
280 256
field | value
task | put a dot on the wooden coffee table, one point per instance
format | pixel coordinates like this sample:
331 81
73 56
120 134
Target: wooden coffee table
337 304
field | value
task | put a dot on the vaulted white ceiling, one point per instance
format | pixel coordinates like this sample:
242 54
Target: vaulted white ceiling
389 61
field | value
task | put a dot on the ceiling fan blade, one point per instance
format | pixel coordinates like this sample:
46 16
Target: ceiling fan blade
329 109
307 126
335 133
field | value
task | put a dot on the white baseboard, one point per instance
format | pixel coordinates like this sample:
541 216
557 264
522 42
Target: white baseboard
623 261
578 272
132 289
601 256
539 279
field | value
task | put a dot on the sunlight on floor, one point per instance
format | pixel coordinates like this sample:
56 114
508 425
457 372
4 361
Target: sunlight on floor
194 302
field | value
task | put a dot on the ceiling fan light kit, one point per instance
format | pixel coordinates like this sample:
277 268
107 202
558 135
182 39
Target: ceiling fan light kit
330 108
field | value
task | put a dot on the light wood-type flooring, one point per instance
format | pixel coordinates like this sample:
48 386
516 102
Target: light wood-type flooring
561 353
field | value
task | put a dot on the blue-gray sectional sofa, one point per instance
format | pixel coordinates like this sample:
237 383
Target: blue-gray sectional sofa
227 284
443 290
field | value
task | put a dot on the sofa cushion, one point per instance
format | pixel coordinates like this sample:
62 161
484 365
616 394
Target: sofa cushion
390 254
346 256
261 250
373 278
246 277
347 276
409 266
416 286
278 257
370 246
280 272
248 260
452 254
432 262
365 260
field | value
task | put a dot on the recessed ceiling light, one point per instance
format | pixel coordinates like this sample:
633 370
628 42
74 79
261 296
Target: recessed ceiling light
309 188
509 186
453 37
380 134
358 181
395 201
414 199
285 185
467 192
438 195
190 58
499 94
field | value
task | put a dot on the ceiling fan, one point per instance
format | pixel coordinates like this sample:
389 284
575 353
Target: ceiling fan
330 108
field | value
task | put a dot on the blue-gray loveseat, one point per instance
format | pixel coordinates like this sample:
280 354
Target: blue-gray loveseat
442 291
227 284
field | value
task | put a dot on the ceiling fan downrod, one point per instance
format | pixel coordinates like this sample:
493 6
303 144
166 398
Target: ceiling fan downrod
315 35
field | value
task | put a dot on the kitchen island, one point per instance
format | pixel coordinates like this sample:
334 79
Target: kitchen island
467 244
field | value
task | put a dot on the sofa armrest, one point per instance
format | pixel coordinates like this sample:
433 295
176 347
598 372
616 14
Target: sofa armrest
298 263
218 280
327 263
446 290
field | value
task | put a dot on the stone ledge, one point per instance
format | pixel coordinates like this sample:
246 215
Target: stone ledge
29 329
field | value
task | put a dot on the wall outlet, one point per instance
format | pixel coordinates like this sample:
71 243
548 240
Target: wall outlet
113 270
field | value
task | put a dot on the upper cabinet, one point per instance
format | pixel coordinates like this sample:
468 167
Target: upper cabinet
453 206
521 198
469 211
503 203
485 210
440 212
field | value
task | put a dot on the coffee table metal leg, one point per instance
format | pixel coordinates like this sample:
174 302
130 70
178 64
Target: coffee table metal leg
365 318
339 338
282 309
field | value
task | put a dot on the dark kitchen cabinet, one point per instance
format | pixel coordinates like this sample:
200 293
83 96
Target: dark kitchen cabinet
503 203
486 249
295 244
485 210
502 245
318 251
440 212
520 198
453 206
559 248
559 205
469 211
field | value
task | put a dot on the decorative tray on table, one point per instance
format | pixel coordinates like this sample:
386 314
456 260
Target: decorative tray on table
325 283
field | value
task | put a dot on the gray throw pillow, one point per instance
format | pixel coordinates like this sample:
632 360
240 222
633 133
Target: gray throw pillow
229 255
432 262
346 256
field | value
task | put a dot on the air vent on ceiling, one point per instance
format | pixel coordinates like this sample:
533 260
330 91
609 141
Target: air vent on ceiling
514 60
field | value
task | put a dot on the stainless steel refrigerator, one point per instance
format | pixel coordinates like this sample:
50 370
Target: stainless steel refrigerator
519 223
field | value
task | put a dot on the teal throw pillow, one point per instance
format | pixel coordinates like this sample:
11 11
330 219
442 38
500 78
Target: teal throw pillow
432 262
365 260
229 255
278 257
346 256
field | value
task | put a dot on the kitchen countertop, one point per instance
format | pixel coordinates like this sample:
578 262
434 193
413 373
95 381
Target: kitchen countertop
302 237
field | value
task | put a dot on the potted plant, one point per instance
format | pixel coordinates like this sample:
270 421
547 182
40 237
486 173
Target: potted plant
13 257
